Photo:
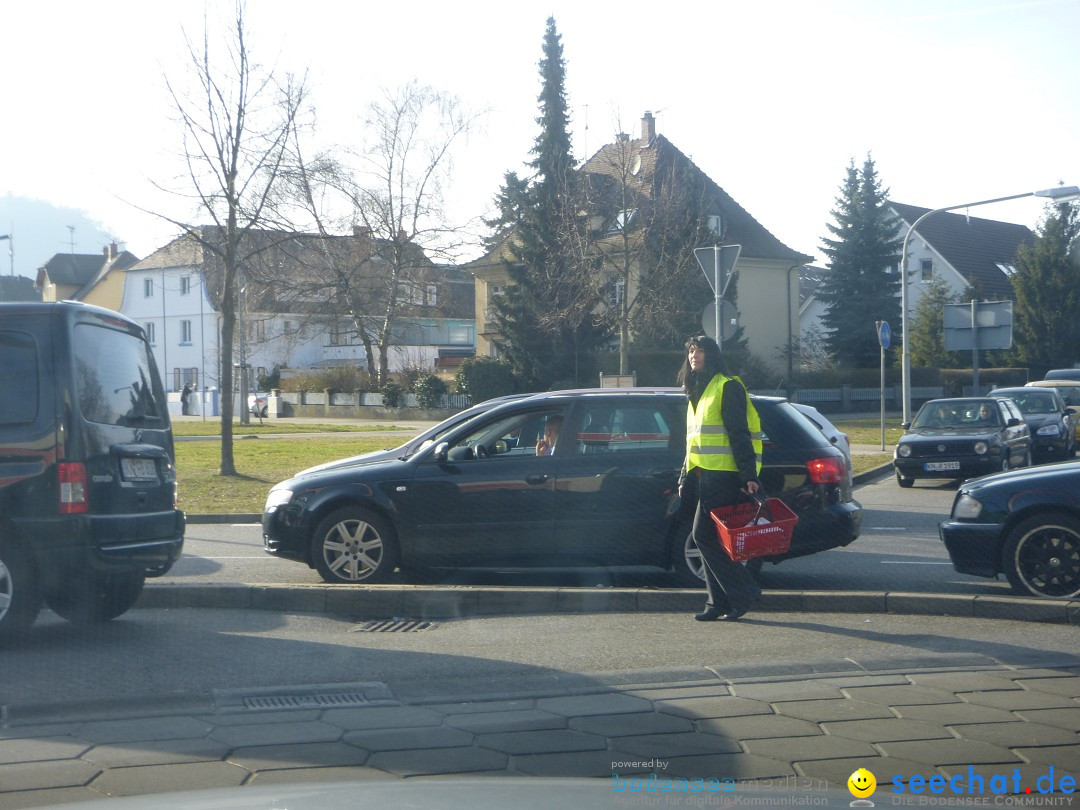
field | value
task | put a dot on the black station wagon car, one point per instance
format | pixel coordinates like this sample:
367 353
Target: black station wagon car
1048 418
1024 524
962 438
482 496
87 481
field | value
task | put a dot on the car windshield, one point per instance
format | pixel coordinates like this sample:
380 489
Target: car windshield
1034 402
958 414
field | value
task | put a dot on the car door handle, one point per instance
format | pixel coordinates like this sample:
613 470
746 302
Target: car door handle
538 478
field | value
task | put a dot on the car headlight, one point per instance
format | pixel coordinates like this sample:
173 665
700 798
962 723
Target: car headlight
966 508
903 450
980 448
1049 430
276 498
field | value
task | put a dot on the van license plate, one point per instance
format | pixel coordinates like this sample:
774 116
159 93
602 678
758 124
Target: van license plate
138 469
941 466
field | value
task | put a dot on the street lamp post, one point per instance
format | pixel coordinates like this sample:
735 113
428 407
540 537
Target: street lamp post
1059 194
10 237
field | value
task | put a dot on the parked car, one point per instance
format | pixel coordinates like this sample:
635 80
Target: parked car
1070 392
257 404
836 437
1024 524
1063 374
1051 422
87 479
481 497
962 438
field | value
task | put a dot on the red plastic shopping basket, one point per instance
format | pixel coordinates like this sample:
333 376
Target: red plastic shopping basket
743 538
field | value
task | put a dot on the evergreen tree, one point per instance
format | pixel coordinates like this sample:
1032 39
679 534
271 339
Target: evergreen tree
1046 330
547 315
863 285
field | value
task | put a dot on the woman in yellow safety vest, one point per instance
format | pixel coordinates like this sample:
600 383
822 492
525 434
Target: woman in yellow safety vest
723 455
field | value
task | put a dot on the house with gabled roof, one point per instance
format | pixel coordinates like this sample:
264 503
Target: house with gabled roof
768 292
291 313
970 254
85 277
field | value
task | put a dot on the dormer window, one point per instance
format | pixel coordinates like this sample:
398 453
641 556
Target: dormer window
623 220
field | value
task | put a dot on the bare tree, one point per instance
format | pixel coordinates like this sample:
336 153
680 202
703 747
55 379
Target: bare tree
235 125
391 192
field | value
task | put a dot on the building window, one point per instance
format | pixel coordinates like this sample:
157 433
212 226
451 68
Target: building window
615 295
926 270
185 331
148 288
149 327
623 220
461 335
432 295
287 328
496 290
716 224
185 285
337 334
260 331
1007 269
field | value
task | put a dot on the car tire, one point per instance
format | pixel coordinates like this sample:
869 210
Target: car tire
1027 459
353 545
20 598
263 412
1005 466
97 599
1041 556
686 561
906 483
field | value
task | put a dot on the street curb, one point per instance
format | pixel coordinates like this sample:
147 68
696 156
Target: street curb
456 602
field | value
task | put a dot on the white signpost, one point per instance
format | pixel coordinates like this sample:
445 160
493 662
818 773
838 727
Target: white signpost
718 265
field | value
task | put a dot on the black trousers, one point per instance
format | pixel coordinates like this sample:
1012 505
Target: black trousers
729 584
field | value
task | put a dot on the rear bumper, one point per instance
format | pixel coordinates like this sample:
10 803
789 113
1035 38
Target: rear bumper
974 548
816 531
72 546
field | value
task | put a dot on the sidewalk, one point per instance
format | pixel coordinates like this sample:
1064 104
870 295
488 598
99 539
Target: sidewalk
927 716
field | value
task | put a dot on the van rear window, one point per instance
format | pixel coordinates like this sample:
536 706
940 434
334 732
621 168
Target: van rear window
18 378
115 378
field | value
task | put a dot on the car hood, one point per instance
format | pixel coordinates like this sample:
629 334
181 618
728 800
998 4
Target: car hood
1044 476
352 461
387 466
927 434
1037 420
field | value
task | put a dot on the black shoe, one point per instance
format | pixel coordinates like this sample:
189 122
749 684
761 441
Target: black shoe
733 616
710 614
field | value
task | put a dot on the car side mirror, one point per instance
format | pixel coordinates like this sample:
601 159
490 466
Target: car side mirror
1072 410
1013 422
501 447
442 449
906 425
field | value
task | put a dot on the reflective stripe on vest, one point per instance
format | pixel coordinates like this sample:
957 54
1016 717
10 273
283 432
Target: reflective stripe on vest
707 442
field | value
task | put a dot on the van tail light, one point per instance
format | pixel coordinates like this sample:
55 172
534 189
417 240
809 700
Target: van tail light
828 470
73 494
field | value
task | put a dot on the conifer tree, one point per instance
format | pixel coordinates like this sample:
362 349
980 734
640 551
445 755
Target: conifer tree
863 285
547 315
1046 330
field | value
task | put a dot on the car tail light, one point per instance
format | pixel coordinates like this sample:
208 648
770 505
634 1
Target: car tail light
828 470
73 495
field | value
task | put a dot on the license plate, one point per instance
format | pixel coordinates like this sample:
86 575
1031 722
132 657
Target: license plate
941 466
138 469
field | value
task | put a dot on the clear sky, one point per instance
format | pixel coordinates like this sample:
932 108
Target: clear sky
957 100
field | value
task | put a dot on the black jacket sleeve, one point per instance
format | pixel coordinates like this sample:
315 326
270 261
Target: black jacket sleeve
733 412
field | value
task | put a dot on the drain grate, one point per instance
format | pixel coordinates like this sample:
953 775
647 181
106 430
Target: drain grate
393 626
309 701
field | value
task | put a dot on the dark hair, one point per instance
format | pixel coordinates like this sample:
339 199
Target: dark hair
692 381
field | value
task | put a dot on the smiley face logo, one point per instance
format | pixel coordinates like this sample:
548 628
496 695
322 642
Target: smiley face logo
862 783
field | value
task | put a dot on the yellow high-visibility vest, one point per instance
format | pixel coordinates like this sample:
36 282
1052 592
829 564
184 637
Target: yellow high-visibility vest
707 442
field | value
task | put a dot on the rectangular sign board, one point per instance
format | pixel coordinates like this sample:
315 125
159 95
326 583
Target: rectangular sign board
993 322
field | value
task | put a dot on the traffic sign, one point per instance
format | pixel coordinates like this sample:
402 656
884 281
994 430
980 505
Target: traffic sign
729 319
884 334
718 265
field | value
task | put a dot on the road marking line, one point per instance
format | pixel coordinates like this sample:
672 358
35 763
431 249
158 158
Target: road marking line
912 562
888 528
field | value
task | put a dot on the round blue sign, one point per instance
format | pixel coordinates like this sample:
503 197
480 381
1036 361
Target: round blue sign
884 334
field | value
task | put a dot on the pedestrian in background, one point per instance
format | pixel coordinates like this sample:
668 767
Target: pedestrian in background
723 456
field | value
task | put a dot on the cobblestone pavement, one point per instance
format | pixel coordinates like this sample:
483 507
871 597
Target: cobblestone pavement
800 725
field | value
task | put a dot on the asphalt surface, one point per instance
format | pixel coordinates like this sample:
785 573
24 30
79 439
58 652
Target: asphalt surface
796 725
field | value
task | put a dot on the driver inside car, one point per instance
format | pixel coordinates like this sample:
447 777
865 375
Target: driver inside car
546 445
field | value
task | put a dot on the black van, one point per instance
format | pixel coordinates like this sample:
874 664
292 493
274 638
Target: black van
87 478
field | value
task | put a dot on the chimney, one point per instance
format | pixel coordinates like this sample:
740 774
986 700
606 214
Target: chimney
622 137
648 127
361 231
109 252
